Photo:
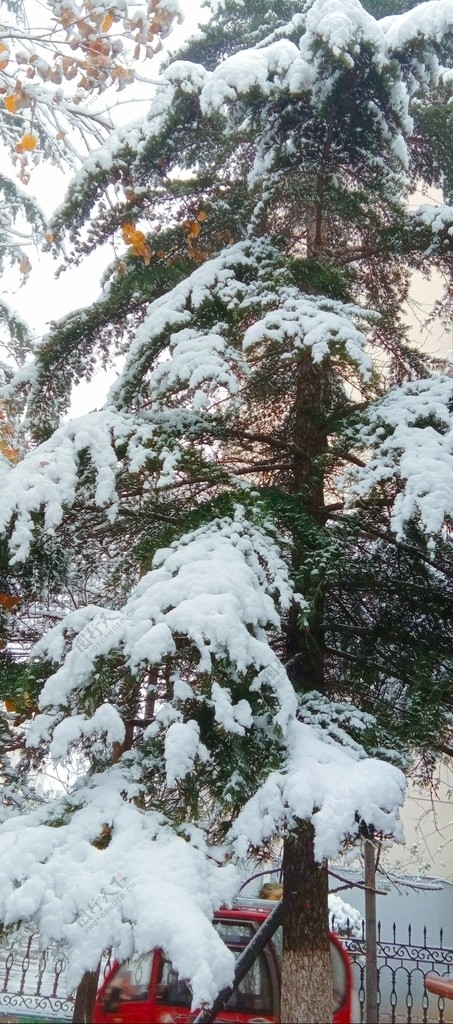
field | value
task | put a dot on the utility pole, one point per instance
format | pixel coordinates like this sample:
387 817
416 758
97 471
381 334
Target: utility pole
369 849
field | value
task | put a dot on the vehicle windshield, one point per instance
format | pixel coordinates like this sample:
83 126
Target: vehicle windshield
130 983
254 994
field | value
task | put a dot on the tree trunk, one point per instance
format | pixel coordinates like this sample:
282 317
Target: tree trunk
371 975
307 993
307 988
86 997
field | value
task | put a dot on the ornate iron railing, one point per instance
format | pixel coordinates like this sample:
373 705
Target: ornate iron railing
33 982
401 969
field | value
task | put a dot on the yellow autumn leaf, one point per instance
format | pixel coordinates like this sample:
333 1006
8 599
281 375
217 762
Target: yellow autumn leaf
196 254
192 227
128 231
137 239
9 453
107 22
11 103
202 216
29 142
10 705
25 265
9 601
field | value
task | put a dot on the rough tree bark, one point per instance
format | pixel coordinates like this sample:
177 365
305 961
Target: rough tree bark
307 995
307 987
86 997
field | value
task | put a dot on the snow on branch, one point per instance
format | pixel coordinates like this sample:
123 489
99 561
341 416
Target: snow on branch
219 587
199 361
321 325
436 221
341 29
332 786
174 315
47 478
183 365
430 22
147 888
409 434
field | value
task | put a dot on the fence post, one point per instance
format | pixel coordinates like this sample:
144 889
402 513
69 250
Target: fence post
371 1007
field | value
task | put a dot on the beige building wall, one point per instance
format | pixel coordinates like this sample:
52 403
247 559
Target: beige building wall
427 817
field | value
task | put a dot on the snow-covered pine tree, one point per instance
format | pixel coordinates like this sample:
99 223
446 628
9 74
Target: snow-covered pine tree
237 584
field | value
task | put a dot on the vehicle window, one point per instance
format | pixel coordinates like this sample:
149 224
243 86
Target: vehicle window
340 978
234 933
254 994
130 983
170 988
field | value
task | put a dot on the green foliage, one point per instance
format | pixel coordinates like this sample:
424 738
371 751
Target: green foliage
320 276
433 147
315 182
235 25
382 8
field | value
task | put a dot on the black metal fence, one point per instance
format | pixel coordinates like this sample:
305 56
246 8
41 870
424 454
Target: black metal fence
401 969
33 983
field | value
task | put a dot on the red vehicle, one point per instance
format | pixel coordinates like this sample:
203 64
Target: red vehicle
149 991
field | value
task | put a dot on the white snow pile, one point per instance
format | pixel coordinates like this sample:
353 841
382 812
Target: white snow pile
219 586
344 918
409 434
47 477
438 217
332 786
322 326
147 888
431 21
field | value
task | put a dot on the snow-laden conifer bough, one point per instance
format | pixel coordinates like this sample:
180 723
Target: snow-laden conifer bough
269 429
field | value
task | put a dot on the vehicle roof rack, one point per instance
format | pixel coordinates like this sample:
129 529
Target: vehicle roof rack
254 902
